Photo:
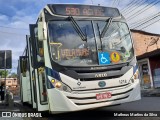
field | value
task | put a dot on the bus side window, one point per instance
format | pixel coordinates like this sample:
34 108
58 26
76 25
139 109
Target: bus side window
23 66
40 51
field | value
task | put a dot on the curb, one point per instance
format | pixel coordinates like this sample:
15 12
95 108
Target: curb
151 93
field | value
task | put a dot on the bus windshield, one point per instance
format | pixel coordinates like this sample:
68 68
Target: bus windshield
68 49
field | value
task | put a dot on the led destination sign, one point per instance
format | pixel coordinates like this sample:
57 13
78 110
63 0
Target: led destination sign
84 10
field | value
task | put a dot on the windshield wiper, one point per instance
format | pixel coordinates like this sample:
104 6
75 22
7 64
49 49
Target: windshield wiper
106 27
100 36
78 29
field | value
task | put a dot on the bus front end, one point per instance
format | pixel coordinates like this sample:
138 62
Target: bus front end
89 58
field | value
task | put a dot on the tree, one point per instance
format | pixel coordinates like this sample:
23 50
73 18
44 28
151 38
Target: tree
13 75
4 73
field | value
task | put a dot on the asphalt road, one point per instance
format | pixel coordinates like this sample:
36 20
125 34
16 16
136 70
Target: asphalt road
147 104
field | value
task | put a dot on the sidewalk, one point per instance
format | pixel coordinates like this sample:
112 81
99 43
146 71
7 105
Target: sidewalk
150 92
4 107
6 111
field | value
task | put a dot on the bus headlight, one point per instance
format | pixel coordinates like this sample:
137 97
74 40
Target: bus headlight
135 76
135 72
60 86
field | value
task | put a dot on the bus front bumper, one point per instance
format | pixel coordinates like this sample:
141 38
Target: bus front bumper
60 102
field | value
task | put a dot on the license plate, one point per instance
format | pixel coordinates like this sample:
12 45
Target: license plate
103 95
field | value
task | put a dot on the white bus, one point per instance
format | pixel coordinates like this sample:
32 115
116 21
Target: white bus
78 57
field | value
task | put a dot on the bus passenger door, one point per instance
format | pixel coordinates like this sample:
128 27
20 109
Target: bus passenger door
34 93
38 67
31 72
23 77
42 85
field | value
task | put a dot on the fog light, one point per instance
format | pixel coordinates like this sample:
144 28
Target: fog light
64 88
58 85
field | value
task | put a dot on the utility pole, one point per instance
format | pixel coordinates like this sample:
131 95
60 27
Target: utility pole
5 74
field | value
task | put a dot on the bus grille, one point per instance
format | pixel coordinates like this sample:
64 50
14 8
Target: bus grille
115 97
87 74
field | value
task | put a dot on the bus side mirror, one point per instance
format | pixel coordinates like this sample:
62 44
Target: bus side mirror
23 65
41 35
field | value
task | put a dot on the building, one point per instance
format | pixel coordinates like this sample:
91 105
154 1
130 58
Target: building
11 84
147 49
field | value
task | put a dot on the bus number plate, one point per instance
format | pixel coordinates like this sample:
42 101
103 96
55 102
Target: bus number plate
103 95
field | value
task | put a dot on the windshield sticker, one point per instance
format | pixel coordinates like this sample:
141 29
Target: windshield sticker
71 53
104 58
127 54
115 57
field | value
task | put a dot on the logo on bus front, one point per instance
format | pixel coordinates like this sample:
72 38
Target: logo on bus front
102 84
100 75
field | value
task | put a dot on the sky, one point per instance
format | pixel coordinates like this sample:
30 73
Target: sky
16 15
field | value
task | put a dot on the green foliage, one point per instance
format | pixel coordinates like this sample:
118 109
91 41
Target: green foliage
4 73
13 75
